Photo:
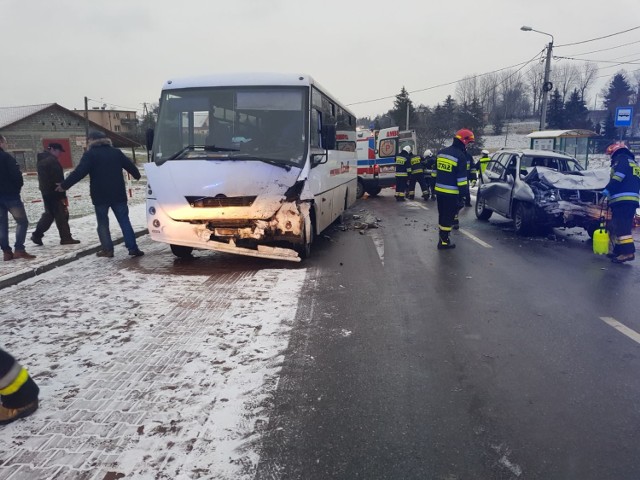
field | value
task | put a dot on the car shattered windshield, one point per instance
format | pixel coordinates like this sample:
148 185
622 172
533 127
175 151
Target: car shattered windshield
232 123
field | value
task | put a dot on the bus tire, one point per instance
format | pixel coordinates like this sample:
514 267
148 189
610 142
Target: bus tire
304 250
372 192
181 251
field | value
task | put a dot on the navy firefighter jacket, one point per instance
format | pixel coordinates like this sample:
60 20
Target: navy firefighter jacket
451 170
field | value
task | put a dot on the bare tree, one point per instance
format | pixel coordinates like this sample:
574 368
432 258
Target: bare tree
535 78
488 93
467 90
587 74
512 91
565 79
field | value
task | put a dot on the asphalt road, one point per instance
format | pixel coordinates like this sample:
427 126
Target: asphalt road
501 359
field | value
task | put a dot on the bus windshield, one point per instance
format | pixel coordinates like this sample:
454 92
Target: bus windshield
233 123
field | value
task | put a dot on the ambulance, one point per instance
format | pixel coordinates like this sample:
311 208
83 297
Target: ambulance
376 152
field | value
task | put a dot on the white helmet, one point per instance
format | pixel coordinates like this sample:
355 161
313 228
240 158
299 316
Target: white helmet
485 152
428 153
407 148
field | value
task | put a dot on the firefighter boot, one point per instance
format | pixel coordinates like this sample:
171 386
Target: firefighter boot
8 415
444 243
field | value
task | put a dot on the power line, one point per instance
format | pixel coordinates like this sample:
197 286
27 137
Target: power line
599 38
113 104
605 49
633 62
524 64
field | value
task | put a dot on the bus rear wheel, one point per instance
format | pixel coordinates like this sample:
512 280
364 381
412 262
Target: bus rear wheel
181 251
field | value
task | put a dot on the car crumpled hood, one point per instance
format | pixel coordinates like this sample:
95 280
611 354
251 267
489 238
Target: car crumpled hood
172 181
595 179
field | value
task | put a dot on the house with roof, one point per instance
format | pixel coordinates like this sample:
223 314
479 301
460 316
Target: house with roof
29 129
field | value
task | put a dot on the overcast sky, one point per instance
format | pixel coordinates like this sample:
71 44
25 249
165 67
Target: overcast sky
122 51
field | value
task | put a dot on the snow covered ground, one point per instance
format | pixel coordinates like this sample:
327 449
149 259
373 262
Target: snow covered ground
149 367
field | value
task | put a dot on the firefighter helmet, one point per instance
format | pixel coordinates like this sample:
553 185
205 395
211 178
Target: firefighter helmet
465 136
407 148
617 147
428 153
485 152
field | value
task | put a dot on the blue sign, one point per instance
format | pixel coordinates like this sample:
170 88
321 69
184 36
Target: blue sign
624 115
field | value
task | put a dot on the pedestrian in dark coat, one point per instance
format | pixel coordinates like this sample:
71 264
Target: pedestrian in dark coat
18 391
104 164
10 202
50 175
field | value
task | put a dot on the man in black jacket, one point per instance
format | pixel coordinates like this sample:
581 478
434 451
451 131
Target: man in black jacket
50 174
104 164
10 185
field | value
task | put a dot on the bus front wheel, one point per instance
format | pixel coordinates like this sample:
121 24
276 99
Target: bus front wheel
181 251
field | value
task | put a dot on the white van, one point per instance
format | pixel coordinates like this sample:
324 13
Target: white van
253 164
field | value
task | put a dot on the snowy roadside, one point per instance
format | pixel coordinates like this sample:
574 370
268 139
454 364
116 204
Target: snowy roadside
149 368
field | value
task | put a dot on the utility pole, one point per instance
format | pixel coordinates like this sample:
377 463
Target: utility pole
546 86
407 114
86 121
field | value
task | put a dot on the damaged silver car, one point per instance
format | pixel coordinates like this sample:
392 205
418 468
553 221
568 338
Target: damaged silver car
539 190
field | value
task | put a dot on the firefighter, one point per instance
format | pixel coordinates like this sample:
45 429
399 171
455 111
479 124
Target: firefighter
451 184
18 391
623 194
403 169
472 177
481 166
429 166
417 176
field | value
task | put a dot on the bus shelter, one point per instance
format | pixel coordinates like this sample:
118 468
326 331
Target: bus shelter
570 142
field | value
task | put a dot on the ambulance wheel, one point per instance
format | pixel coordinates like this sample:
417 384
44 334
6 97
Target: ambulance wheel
360 189
181 251
372 192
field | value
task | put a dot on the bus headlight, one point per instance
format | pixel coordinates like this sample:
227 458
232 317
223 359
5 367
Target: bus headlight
156 223
152 210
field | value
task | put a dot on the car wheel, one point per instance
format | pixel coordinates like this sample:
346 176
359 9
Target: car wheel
591 228
523 219
482 212
372 192
360 189
181 251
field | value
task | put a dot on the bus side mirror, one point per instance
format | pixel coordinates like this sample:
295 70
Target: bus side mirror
149 138
328 136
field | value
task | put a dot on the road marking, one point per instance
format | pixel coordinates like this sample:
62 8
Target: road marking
612 322
475 239
378 241
412 203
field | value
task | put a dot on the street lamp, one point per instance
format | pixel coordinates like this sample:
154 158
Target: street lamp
546 85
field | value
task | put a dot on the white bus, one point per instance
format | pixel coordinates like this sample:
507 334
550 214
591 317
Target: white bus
252 164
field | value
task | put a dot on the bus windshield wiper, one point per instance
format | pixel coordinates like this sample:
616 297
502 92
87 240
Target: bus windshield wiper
206 148
286 164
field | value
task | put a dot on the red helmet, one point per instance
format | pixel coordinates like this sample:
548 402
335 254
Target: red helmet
465 136
616 147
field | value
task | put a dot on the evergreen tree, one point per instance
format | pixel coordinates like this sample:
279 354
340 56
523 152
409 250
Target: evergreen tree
618 93
576 112
399 111
472 117
555 112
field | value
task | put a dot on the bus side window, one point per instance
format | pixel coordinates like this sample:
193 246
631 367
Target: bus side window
316 124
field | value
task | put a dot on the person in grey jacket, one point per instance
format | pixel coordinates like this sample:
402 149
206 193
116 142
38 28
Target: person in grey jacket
10 202
104 164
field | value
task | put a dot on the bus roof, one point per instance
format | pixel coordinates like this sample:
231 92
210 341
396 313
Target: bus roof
247 79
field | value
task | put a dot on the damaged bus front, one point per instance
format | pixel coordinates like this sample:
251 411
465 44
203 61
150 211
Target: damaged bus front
249 164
